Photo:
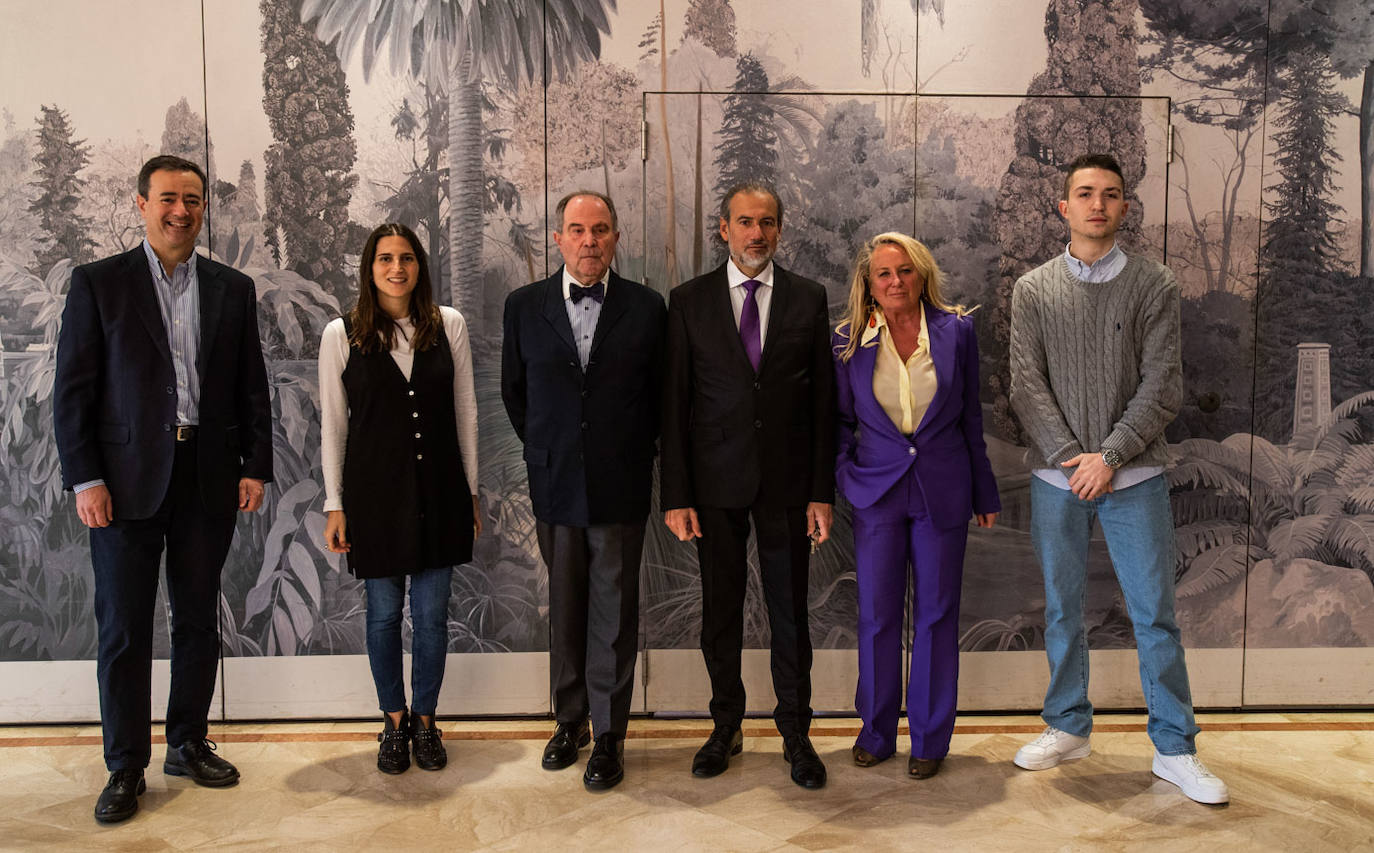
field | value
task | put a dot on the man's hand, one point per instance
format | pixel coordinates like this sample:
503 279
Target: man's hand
985 519
683 523
94 506
818 518
250 494
1091 477
476 518
336 532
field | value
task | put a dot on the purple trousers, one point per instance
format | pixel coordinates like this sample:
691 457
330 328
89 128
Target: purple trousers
889 536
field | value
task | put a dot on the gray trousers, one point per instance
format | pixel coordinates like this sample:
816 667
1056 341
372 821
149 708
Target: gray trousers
593 620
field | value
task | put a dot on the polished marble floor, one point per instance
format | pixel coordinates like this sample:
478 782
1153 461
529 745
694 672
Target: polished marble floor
1299 782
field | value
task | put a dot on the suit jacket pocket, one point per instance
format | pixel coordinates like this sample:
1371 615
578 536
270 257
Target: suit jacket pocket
231 437
536 456
708 433
113 433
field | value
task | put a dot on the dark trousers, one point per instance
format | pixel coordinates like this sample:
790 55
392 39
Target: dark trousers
126 557
593 620
784 562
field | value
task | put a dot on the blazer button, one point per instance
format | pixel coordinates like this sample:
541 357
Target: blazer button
757 386
758 424
586 393
166 427
586 425
170 390
911 451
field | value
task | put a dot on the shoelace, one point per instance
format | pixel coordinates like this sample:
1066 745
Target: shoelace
1197 767
1049 736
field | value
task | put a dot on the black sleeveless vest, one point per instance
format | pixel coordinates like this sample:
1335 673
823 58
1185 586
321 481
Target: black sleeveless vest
405 496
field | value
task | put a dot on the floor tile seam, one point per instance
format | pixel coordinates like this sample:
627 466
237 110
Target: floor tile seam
685 734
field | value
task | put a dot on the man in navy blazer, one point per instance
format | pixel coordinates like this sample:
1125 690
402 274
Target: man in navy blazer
581 362
163 425
749 436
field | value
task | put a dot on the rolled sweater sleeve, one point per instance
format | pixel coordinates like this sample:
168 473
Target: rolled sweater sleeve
1160 395
1032 397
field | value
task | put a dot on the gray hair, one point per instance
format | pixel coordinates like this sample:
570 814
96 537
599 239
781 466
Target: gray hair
563 206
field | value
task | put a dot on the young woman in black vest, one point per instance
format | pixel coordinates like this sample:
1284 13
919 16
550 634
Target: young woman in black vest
399 452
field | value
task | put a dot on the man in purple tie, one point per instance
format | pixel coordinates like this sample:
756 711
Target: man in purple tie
749 437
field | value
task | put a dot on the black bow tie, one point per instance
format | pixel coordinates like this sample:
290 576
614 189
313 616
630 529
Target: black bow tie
596 291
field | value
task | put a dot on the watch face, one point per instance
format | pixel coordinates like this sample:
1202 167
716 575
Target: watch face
1112 458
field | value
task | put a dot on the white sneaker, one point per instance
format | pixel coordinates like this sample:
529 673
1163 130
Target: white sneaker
1052 747
1192 776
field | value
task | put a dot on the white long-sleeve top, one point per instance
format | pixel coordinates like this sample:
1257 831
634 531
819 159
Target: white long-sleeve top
334 351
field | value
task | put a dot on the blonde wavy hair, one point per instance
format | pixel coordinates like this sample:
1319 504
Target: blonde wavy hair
861 304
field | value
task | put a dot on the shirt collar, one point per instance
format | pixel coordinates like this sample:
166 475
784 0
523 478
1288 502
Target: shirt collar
877 323
160 272
569 282
738 278
1086 271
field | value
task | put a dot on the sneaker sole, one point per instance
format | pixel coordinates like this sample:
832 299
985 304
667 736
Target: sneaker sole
1053 760
1206 798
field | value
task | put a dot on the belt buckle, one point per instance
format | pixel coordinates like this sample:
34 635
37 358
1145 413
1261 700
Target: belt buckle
185 433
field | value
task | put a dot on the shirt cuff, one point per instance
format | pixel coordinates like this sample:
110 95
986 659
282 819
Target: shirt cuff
89 484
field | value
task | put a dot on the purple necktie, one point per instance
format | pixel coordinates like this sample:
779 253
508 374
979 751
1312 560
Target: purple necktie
749 324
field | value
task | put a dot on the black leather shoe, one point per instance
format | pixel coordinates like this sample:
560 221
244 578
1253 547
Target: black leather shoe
197 759
393 756
922 768
713 758
119 800
807 769
428 743
606 766
562 748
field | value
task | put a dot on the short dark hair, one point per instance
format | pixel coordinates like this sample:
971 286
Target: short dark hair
168 163
749 187
1092 161
563 206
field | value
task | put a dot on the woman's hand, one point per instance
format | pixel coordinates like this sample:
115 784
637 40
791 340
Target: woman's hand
476 517
985 519
336 532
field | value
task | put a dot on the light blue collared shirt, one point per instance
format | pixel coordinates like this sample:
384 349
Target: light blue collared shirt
178 299
583 315
1105 268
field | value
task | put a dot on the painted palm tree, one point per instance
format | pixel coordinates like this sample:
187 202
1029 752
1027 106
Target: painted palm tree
453 46
1244 500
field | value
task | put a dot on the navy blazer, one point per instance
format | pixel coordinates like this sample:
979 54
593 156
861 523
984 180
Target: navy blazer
733 437
947 449
114 396
590 438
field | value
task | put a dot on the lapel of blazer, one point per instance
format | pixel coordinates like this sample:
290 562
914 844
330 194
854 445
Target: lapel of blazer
719 305
145 299
861 366
211 304
777 306
613 307
555 312
942 354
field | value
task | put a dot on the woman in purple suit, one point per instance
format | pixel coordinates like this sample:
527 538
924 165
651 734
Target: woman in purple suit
913 463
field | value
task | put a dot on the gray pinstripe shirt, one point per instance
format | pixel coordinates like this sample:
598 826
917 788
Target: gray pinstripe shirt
178 298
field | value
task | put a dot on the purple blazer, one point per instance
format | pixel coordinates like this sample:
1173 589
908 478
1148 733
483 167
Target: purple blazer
947 450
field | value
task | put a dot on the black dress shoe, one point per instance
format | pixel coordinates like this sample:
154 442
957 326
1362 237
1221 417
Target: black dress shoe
119 800
428 743
197 759
807 769
561 750
606 766
393 756
922 768
714 756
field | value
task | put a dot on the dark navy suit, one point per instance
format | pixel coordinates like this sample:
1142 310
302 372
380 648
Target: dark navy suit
913 497
114 411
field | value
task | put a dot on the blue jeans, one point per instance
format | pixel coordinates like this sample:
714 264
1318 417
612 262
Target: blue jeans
1139 529
429 594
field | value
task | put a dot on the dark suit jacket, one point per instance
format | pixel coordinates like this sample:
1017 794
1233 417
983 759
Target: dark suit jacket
114 398
732 438
589 437
947 450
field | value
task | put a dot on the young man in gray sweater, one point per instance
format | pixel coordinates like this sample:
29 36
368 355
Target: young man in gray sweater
1095 378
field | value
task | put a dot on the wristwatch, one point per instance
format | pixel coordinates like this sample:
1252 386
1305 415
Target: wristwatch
1112 458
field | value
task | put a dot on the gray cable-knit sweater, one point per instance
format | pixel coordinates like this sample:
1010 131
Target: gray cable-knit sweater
1096 366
